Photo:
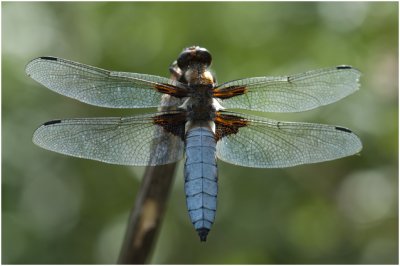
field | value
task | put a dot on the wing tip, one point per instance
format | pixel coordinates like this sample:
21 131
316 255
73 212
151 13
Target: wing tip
40 58
347 67
357 73
36 134
356 144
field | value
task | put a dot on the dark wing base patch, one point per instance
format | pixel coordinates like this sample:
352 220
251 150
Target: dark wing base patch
229 92
172 122
175 91
227 124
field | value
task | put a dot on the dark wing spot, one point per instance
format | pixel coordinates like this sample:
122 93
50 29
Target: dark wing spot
48 58
344 129
343 67
52 122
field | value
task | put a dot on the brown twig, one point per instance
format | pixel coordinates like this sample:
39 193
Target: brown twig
147 214
151 201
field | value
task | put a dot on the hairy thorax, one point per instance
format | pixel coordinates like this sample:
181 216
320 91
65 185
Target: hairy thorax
200 104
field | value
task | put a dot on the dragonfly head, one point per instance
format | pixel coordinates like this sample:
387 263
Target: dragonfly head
194 55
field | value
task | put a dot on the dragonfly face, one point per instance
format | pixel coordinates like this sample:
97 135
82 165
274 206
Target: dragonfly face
196 121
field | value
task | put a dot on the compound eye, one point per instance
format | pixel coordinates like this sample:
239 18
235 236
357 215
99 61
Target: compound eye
204 57
184 60
194 55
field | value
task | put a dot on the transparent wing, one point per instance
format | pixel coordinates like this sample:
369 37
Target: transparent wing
265 143
101 87
294 93
135 140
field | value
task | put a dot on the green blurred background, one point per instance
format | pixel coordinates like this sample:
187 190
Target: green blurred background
59 209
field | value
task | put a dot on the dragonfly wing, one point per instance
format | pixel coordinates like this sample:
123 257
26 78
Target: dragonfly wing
294 93
258 142
137 140
101 87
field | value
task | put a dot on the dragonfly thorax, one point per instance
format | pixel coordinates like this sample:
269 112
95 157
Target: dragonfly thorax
200 104
198 74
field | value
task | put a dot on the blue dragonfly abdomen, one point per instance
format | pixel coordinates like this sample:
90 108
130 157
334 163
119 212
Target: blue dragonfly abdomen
201 178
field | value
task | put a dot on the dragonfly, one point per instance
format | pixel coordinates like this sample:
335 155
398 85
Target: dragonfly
196 120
